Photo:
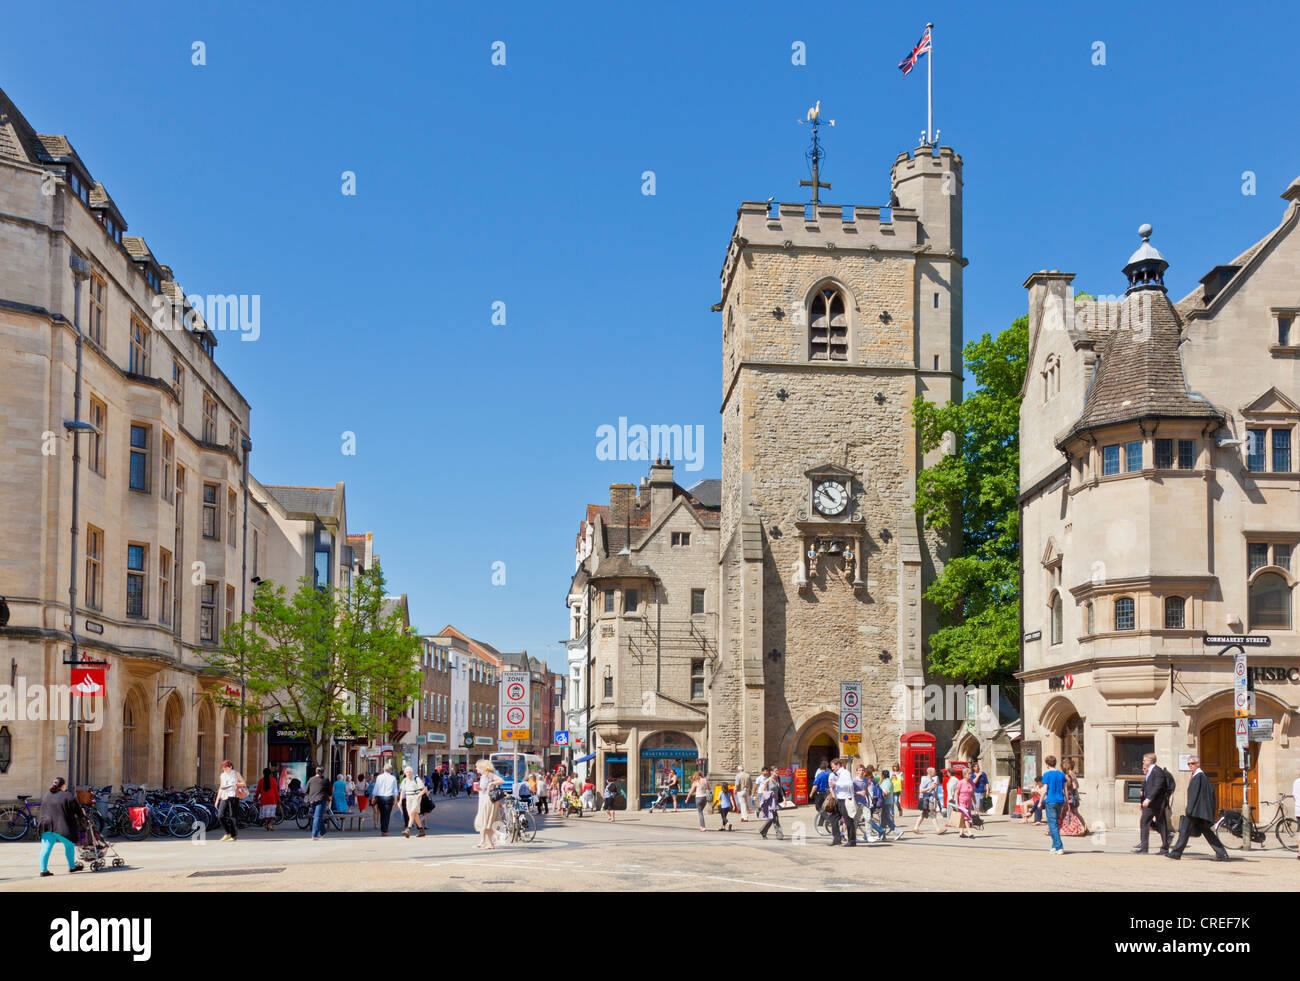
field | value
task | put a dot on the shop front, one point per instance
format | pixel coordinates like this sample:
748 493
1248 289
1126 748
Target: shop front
1099 722
288 752
663 755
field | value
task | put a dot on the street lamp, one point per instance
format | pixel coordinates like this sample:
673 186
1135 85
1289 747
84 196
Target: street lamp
80 273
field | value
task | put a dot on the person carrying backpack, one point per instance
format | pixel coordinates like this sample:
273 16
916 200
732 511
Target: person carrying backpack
1157 791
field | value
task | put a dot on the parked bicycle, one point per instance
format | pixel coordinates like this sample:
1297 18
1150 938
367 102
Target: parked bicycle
517 822
17 820
1284 828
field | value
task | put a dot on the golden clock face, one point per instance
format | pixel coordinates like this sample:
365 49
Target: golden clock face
830 498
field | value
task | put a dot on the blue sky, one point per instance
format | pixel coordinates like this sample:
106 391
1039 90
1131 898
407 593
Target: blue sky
522 184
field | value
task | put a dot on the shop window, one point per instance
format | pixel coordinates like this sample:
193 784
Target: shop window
1072 746
1129 751
1270 602
1125 618
1175 613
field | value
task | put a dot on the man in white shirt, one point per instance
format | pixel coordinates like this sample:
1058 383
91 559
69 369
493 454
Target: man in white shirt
742 791
841 785
385 794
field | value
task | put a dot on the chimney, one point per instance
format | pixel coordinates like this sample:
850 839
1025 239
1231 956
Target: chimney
661 489
621 498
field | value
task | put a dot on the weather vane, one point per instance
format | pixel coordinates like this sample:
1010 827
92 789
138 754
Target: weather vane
815 154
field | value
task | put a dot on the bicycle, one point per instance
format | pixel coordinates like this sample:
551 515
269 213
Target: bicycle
17 820
1284 828
331 821
517 823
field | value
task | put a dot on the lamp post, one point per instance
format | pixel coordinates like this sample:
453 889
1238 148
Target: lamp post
246 445
80 273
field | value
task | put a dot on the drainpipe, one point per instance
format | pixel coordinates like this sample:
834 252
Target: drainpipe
80 272
246 445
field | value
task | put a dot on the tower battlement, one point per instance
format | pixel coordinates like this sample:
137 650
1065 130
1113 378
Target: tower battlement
923 159
822 227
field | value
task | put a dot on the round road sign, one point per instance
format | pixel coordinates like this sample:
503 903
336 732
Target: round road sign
850 721
515 692
515 716
850 699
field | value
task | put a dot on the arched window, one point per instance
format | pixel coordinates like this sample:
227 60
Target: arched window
1072 746
1175 613
1124 614
1270 602
828 326
1058 611
1091 619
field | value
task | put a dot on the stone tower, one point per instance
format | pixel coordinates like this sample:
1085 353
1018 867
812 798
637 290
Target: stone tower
833 319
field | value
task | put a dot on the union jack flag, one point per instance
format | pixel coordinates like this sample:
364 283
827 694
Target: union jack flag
922 47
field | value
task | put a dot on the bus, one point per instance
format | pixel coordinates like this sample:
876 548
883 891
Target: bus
515 766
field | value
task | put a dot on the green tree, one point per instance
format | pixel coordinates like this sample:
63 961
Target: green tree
970 497
322 660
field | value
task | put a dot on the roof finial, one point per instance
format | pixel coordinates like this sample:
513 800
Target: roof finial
815 153
1145 231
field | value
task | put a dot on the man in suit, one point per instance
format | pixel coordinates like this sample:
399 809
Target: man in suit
1199 818
1155 798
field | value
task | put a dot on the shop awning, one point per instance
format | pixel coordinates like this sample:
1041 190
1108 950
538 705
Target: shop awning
584 759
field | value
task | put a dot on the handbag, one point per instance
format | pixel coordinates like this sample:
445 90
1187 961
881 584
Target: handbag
426 804
830 805
496 794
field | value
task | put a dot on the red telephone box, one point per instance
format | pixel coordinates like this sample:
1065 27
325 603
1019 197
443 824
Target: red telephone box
918 755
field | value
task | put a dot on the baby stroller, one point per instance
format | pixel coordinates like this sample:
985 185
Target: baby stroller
571 804
94 849
663 800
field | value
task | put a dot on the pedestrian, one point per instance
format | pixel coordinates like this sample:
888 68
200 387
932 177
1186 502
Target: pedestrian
700 791
588 794
370 796
898 788
744 787
385 795
339 801
1157 787
352 792
820 790
887 806
1034 806
317 800
524 790
59 823
769 804
672 786
928 789
566 791
545 785
1199 816
841 785
268 798
228 794
725 804
874 797
1053 801
860 812
489 810
610 795
950 792
964 804
1072 823
410 796
980 782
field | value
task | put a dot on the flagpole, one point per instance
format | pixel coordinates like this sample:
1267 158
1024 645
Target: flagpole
929 89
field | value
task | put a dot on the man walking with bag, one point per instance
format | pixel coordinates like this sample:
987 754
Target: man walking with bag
1199 818
841 786
1157 787
744 785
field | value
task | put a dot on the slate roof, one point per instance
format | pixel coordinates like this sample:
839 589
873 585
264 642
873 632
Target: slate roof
1140 376
303 500
622 567
708 492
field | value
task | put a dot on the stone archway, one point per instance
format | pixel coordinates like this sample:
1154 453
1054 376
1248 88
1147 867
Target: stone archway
173 722
205 768
137 737
814 739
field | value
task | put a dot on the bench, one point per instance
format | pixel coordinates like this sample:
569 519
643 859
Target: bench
355 817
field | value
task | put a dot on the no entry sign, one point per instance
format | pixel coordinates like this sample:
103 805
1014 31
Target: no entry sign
514 706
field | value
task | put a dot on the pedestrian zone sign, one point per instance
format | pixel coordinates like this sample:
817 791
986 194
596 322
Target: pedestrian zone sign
561 738
850 711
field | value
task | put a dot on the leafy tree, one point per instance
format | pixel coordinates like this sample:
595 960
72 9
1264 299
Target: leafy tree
322 660
971 498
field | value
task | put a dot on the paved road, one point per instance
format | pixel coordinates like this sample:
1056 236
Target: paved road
642 851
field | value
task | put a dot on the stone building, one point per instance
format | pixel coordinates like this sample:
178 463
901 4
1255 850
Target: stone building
475 675
1160 502
833 320
161 561
440 742
650 580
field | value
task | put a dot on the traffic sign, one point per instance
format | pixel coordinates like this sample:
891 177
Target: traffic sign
1241 704
514 706
1261 730
850 711
1243 734
468 740
562 737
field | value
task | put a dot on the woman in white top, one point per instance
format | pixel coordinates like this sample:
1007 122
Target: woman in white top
227 799
411 793
929 802
700 791
489 811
